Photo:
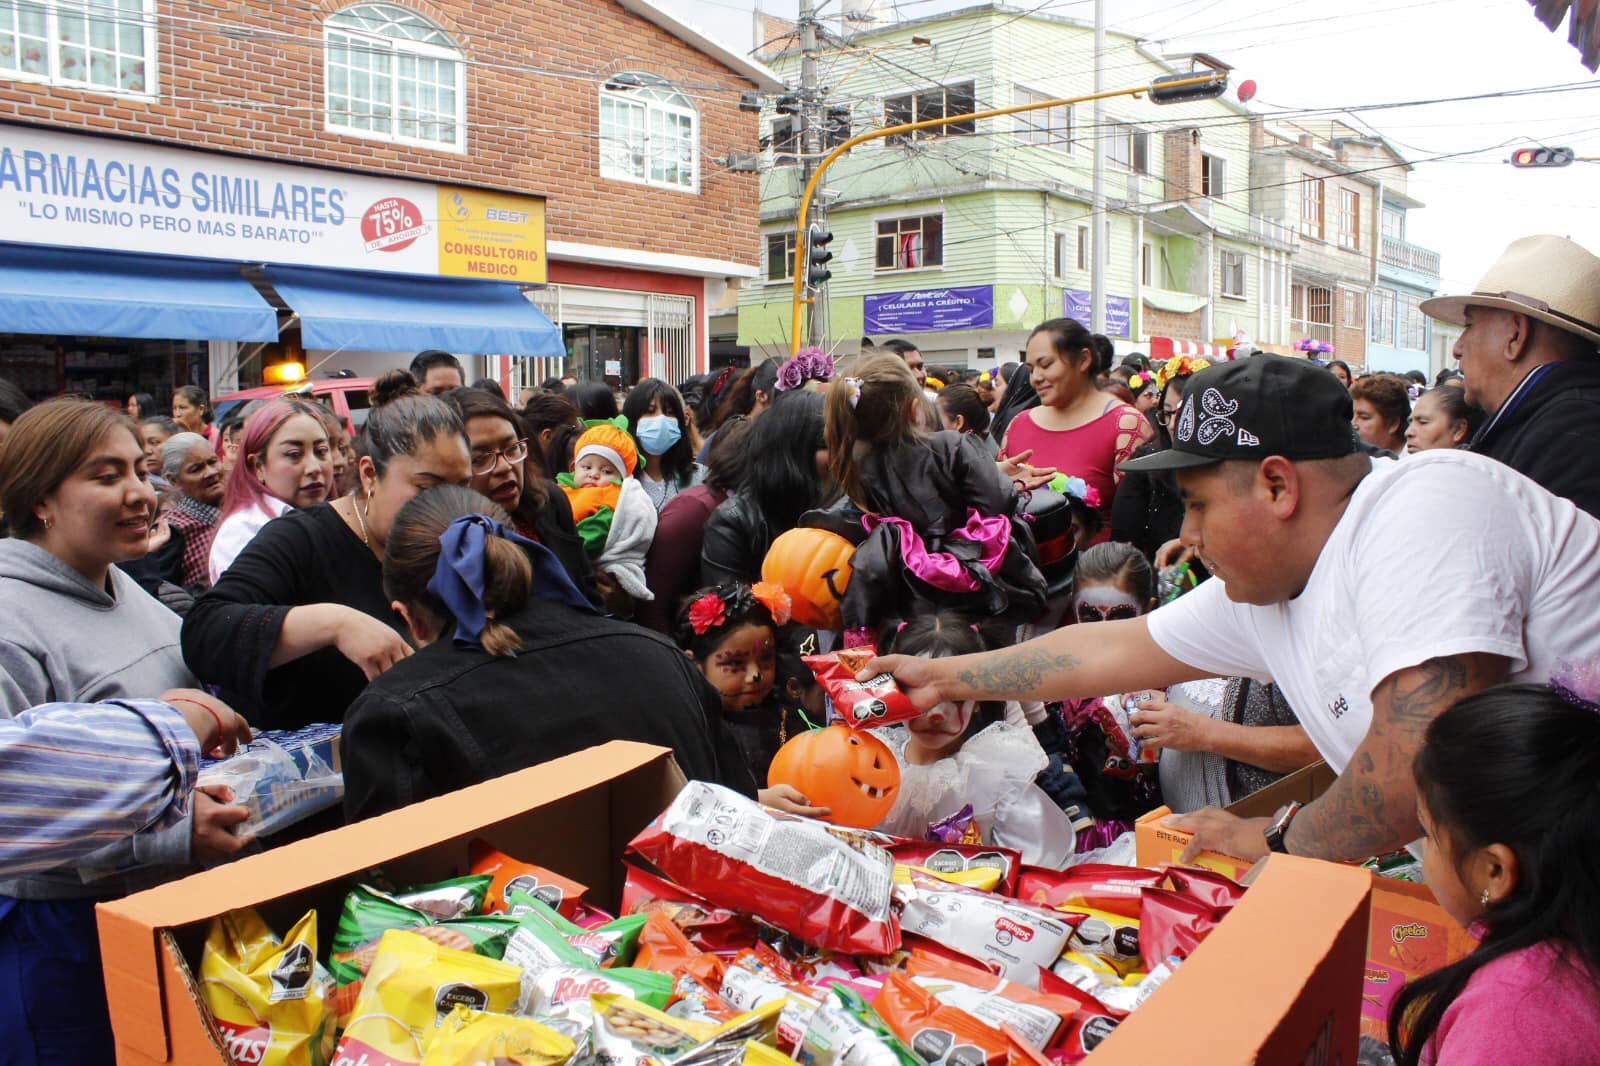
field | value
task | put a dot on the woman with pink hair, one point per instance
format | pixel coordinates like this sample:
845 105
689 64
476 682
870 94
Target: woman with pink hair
285 461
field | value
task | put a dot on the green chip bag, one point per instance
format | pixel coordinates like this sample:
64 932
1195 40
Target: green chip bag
846 1030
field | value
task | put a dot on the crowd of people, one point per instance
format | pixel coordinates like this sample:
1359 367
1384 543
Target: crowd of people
1107 586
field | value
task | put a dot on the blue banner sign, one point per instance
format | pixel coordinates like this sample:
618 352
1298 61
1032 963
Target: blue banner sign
929 310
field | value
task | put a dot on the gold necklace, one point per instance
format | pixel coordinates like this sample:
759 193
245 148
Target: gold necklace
361 520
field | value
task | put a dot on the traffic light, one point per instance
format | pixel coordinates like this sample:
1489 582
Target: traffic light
817 255
1162 92
1541 157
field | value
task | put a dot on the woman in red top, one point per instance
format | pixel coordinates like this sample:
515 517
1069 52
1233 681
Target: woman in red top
1076 429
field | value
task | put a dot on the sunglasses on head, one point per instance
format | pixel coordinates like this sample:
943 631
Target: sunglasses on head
1092 612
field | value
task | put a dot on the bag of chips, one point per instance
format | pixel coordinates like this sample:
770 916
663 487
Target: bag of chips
936 1032
611 944
1012 939
1173 924
821 883
369 913
757 977
847 1032
560 997
443 900
510 875
1095 885
984 878
708 927
467 1037
943 859
1207 886
630 1033
860 704
1111 937
268 998
411 988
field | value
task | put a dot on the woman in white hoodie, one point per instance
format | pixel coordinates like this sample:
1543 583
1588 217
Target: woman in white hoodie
77 500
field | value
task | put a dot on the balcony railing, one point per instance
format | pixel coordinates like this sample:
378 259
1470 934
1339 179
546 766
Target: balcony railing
1317 331
1270 229
1410 257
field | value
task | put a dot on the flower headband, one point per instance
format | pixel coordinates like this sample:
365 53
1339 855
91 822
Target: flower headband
1138 382
1316 347
710 610
1179 366
808 364
1076 488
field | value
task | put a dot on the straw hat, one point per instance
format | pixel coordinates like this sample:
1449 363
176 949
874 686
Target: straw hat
1545 277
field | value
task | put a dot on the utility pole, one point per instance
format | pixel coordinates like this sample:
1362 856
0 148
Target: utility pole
811 141
1100 254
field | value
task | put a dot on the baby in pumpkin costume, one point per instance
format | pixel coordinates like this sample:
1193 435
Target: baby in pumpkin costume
613 513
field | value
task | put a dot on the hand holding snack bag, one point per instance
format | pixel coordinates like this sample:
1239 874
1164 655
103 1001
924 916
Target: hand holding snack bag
269 999
826 885
860 704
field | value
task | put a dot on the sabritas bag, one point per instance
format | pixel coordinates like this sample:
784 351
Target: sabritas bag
1095 885
823 884
944 859
708 927
411 988
468 1037
269 999
936 1032
515 875
861 704
1012 939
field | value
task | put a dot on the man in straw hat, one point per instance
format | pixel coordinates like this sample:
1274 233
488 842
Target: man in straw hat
1357 584
1529 359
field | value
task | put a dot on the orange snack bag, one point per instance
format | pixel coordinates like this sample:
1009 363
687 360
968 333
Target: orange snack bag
513 875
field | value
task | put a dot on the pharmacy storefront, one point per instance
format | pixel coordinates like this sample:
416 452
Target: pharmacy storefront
129 266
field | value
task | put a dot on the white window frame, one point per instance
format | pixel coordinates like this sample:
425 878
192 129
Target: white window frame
1232 265
1411 325
1381 311
1061 249
921 216
788 238
1393 219
1313 225
1147 264
1347 226
54 11
1049 127
915 95
1085 250
1213 175
1126 133
649 108
395 48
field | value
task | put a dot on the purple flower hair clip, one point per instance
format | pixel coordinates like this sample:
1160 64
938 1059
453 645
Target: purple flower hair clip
808 364
1577 683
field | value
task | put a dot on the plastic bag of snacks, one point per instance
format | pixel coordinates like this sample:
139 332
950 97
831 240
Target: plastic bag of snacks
708 927
630 1033
938 1033
269 998
945 859
369 913
443 900
1108 888
982 878
467 1037
544 937
826 885
860 704
1012 939
412 987
849 1033
758 976
511 875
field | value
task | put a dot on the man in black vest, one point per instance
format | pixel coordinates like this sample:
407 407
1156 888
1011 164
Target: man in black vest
1530 361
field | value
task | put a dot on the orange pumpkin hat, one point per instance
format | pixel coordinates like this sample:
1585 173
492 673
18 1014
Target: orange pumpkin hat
613 445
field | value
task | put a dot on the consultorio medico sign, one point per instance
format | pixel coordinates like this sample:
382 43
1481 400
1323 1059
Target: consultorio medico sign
80 191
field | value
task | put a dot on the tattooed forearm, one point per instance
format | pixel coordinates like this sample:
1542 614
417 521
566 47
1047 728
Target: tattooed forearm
1372 807
1016 674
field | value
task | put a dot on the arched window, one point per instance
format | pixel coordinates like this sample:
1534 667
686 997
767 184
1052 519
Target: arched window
649 132
394 76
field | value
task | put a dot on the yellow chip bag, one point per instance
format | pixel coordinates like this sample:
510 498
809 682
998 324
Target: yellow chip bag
266 996
629 1033
986 878
412 987
470 1037
758 1054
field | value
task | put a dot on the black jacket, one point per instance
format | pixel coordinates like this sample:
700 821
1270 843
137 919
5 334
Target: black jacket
554 529
737 538
449 717
1147 511
1552 434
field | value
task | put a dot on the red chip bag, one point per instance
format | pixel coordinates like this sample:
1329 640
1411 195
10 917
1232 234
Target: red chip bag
861 704
1171 923
1013 939
1207 886
1090 1024
938 1033
513 875
663 947
823 884
955 858
708 927
1097 885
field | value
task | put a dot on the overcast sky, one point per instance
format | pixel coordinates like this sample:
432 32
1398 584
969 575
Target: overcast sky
1348 53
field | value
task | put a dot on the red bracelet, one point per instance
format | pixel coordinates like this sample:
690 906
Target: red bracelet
215 717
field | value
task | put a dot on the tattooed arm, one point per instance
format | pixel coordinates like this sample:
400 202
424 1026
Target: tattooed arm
1070 663
1372 807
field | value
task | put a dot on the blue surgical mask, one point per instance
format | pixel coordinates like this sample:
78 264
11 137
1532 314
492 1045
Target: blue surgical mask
658 433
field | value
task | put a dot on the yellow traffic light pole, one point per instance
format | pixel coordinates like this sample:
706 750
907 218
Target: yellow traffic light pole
800 299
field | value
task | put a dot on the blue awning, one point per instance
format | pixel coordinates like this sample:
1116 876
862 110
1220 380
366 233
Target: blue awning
368 312
114 294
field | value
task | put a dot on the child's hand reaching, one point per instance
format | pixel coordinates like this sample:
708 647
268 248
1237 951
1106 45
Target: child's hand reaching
788 799
1028 477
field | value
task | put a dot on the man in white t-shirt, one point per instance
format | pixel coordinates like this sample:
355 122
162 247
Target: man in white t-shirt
1375 593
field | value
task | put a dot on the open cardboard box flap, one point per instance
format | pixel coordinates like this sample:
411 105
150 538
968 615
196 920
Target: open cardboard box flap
554 814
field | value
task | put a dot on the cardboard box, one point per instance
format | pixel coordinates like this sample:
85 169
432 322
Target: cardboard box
1277 981
1410 935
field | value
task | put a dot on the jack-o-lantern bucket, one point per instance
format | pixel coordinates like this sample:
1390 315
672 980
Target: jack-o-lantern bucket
851 772
813 566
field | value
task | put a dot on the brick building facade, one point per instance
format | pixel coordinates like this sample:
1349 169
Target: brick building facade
253 79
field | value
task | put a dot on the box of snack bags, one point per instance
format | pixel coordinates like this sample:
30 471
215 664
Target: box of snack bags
1275 981
1410 934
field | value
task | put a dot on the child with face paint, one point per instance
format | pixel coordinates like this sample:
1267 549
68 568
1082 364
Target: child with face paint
977 755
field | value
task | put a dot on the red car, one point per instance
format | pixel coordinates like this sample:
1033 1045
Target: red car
345 397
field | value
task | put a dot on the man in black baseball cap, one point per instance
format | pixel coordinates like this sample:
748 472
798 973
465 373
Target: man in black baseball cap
1375 593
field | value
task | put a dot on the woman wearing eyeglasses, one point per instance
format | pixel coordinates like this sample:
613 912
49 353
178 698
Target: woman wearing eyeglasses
300 622
510 471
